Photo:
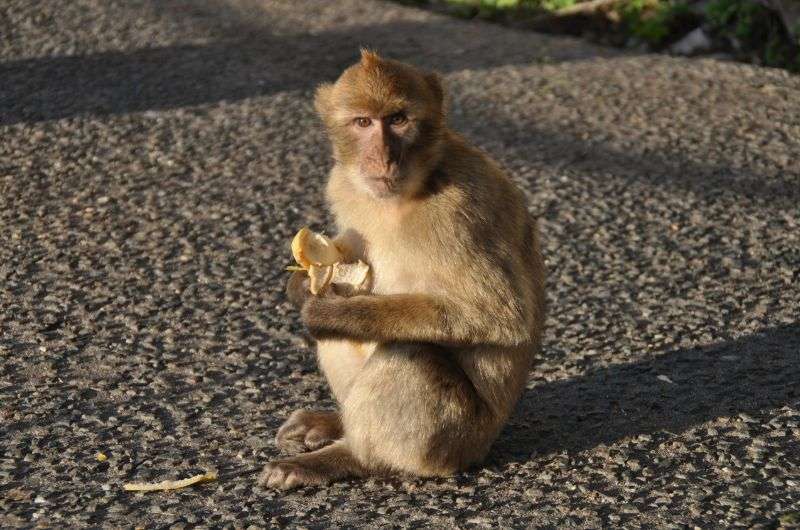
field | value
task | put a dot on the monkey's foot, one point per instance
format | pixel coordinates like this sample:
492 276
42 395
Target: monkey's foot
290 473
307 430
319 467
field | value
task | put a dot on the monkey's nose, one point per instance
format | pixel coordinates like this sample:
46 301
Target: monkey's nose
388 160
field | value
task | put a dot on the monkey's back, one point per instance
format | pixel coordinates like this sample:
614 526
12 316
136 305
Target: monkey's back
501 239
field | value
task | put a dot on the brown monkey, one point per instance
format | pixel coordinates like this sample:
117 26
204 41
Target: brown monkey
428 364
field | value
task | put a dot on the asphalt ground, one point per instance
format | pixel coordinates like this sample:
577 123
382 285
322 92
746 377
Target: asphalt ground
157 156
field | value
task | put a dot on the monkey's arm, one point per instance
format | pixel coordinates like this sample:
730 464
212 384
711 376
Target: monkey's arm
410 318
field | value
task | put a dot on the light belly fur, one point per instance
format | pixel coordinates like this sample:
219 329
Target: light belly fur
340 361
392 273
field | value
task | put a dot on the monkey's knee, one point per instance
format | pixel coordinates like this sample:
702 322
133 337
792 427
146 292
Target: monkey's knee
420 446
415 413
306 430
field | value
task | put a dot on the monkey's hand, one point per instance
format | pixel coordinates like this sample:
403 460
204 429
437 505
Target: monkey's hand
409 318
297 289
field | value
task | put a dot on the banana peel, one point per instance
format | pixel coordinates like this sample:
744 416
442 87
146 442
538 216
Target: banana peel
165 485
318 256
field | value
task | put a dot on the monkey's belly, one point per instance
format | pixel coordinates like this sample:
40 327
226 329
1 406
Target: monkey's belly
340 361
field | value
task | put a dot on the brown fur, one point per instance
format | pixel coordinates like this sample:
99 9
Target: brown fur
308 429
428 366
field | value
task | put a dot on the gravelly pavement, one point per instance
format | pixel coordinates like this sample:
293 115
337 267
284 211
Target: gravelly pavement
156 157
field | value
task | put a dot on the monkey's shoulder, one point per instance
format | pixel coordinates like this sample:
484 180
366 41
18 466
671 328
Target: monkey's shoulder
478 202
473 175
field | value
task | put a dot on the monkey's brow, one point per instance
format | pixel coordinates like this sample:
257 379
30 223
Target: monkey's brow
351 114
375 107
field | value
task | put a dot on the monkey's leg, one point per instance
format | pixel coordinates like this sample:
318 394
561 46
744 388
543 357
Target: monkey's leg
308 430
322 466
412 409
340 362
305 430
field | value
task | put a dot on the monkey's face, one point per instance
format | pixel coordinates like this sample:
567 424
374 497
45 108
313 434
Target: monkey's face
384 119
382 144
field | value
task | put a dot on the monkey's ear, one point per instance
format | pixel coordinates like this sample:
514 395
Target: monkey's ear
323 99
434 81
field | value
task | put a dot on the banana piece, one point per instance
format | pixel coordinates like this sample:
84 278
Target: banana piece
170 484
318 255
319 277
310 248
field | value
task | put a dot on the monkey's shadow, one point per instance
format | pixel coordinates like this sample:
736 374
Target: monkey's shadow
611 403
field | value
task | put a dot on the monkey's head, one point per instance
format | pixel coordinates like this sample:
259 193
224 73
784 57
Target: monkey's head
385 120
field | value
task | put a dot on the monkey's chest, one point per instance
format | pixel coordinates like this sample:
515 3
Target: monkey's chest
397 274
399 265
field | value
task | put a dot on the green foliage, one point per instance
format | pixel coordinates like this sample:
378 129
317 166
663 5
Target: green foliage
754 29
790 519
491 8
480 8
555 5
515 4
740 18
653 21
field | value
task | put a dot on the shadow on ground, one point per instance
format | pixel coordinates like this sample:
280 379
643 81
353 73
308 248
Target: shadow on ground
249 64
620 401
251 61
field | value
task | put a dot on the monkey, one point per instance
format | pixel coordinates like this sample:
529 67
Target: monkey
427 365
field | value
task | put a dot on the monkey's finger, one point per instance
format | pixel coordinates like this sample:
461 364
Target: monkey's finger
290 429
281 475
272 476
297 288
317 437
290 437
291 446
291 480
294 424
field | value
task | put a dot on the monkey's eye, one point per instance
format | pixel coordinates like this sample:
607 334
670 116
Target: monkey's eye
398 118
363 122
